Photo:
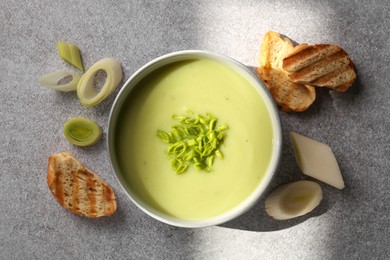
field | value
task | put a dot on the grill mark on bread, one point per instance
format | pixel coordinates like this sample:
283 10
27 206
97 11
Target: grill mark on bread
107 197
342 76
59 189
67 191
308 54
90 194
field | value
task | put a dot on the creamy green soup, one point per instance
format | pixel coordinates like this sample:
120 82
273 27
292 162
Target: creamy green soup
202 86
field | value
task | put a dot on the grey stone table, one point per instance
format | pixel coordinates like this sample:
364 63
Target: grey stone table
353 223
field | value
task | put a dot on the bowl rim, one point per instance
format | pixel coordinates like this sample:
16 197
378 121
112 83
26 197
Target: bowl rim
256 194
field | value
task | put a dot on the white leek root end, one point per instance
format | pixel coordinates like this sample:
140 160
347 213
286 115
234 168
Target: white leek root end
86 90
52 79
293 200
317 160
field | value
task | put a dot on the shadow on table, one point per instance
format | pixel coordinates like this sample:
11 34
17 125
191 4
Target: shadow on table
256 219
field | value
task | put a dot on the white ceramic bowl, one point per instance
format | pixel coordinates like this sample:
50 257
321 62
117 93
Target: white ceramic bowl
276 142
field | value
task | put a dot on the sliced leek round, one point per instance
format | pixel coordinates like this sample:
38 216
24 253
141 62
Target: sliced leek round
82 132
86 90
293 200
52 79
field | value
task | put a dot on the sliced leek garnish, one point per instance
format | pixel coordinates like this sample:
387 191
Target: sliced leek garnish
82 132
194 141
293 200
51 80
71 54
86 90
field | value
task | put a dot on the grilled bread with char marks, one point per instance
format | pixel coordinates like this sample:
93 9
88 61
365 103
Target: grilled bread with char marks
321 65
78 189
289 95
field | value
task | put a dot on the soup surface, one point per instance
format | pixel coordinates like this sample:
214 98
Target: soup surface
202 86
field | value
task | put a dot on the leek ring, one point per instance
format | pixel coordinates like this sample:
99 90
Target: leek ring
82 132
51 80
86 91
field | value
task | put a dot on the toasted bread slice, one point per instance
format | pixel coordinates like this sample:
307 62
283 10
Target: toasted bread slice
78 189
321 65
290 96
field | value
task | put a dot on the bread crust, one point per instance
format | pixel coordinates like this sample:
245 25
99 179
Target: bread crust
78 189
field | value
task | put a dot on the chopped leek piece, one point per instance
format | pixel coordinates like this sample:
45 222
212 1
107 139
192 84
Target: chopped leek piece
194 141
82 132
71 54
86 90
219 154
51 80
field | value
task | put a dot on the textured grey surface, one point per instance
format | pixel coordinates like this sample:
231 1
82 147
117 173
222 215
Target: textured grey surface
353 223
